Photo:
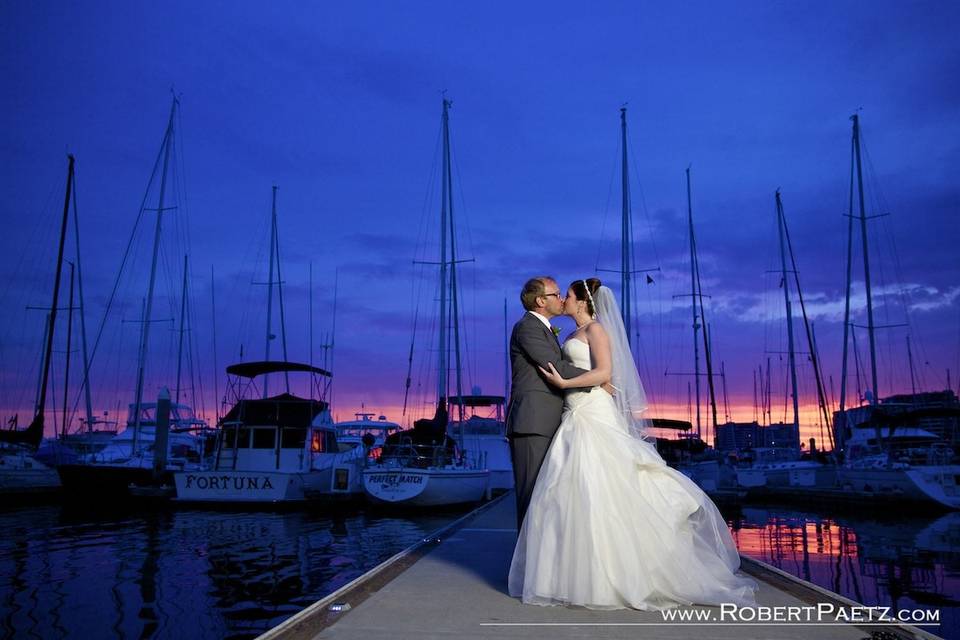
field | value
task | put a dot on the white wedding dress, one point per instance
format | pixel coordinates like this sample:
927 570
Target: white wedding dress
611 526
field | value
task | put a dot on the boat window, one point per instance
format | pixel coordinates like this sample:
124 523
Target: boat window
244 438
293 438
324 442
229 437
264 438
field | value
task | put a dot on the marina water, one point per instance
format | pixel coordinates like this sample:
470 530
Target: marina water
72 573
886 559
69 572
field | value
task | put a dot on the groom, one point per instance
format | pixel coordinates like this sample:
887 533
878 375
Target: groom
535 406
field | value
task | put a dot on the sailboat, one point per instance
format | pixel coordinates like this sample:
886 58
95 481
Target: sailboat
780 471
423 466
96 433
128 459
901 448
678 452
276 449
19 470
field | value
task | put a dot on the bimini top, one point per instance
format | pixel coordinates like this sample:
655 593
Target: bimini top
475 400
254 369
284 410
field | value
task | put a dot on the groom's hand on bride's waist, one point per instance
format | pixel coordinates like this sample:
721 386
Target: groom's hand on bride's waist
606 386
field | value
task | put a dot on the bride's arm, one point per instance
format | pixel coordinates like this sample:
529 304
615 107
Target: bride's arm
537 346
600 374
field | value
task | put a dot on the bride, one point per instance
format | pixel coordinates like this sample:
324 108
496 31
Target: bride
610 525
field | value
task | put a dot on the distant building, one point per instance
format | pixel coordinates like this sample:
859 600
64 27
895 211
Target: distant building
784 435
737 436
740 436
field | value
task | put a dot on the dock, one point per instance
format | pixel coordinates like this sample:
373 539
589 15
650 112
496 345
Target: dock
453 584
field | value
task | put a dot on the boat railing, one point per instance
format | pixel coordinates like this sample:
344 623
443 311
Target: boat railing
417 456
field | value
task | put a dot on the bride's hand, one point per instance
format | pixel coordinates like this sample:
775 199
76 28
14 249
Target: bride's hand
553 376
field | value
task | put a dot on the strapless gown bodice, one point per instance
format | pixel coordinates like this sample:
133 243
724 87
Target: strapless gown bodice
577 352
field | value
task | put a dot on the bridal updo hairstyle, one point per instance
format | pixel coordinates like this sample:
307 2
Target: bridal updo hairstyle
580 291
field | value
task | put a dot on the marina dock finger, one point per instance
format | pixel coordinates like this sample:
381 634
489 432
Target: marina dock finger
454 584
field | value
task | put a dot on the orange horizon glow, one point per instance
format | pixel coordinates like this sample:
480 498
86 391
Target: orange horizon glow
346 405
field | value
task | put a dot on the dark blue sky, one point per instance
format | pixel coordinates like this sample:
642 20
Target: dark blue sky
340 106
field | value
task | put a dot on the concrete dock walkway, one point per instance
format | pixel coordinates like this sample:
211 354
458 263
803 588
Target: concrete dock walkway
454 585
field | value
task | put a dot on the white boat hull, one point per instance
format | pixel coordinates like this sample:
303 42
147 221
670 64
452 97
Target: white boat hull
796 475
339 482
493 453
21 473
938 484
426 487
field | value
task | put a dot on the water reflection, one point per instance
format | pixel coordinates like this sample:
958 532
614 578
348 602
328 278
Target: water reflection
70 573
904 562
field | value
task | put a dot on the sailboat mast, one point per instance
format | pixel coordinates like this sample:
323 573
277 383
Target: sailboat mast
866 264
183 308
841 428
83 323
48 351
442 364
726 398
454 297
144 335
43 354
913 378
792 356
213 345
273 240
625 235
283 319
506 355
811 336
310 319
693 298
66 367
333 334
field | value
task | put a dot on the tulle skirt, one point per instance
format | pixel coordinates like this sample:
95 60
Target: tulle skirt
611 526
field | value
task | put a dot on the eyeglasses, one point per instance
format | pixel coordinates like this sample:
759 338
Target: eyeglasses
547 295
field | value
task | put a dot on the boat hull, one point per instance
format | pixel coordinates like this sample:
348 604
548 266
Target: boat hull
426 487
936 485
95 480
791 476
338 483
20 473
493 453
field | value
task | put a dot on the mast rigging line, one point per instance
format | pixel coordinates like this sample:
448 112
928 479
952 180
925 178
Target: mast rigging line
418 266
126 252
465 219
176 185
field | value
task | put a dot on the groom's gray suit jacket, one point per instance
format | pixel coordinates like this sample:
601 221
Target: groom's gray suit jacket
535 405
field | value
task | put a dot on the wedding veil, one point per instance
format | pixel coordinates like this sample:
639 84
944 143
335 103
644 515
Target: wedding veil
630 398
